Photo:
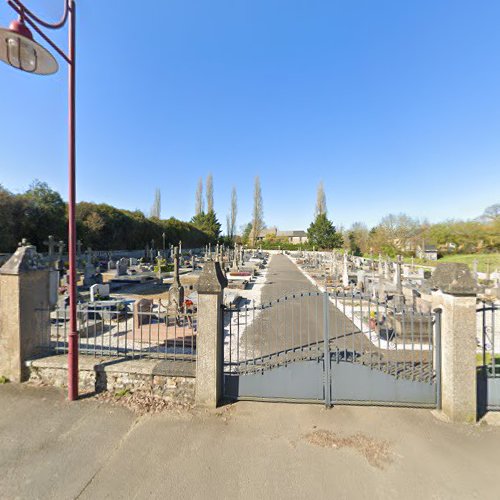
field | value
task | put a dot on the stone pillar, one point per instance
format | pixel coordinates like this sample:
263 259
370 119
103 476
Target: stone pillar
24 311
458 341
209 337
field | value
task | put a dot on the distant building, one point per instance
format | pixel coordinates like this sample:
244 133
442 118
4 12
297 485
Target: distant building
296 237
427 252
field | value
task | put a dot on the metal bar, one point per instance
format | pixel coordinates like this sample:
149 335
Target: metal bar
45 24
230 313
31 23
412 329
493 360
326 356
403 328
246 337
72 237
437 330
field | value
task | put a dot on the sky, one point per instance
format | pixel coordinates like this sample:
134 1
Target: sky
394 105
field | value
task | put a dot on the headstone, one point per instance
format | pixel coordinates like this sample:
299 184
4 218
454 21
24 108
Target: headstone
176 291
121 267
99 292
142 312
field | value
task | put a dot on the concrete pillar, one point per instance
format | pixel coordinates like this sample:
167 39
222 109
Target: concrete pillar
458 341
24 311
209 337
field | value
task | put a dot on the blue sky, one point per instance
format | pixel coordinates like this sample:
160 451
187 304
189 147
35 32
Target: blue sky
395 105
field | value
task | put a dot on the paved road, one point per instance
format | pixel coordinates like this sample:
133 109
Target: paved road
298 322
52 449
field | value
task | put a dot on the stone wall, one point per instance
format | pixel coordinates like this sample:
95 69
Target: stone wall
98 377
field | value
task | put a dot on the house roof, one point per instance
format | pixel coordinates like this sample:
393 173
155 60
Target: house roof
292 233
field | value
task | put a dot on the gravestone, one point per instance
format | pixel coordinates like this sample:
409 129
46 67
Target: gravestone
143 309
121 267
99 292
176 291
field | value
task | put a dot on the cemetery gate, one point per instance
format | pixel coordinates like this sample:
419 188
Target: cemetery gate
488 377
332 348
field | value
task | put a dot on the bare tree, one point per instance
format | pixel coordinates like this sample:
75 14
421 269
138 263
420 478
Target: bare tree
320 200
233 214
258 212
199 208
156 208
210 193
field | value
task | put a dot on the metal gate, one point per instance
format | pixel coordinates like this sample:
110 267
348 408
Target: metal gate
488 379
332 348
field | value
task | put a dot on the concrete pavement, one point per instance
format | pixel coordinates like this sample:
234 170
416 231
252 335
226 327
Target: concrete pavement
50 448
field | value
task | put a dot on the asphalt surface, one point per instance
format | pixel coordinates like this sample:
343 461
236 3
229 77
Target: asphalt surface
53 449
291 321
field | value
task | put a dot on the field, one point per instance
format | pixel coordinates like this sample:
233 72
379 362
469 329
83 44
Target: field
484 260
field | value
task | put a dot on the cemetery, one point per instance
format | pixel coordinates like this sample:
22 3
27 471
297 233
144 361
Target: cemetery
136 311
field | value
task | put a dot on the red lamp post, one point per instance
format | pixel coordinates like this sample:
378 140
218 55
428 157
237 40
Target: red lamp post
18 49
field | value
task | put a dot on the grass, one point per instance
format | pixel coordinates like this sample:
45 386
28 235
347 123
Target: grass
121 393
3 380
479 361
483 260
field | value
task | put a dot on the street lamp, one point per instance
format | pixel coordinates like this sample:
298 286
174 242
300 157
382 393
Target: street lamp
19 49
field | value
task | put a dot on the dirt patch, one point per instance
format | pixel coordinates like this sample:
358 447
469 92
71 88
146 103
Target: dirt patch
143 403
377 452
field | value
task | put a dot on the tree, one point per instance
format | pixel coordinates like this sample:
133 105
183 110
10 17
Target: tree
359 238
491 213
156 208
258 212
322 233
199 208
245 233
320 200
233 214
208 223
45 214
210 193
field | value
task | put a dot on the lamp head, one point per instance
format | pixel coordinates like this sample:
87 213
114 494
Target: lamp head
19 49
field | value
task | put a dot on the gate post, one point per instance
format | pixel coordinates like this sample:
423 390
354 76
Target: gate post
209 337
458 341
326 353
24 310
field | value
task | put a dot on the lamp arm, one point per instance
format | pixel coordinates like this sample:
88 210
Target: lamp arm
28 13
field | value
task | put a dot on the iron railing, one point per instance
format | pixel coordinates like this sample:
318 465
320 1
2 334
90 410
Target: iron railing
132 329
397 340
489 338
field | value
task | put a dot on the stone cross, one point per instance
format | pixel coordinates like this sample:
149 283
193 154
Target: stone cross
60 248
50 243
176 266
89 256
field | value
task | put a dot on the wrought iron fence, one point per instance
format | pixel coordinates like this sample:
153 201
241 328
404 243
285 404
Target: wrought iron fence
488 375
133 329
397 340
488 338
